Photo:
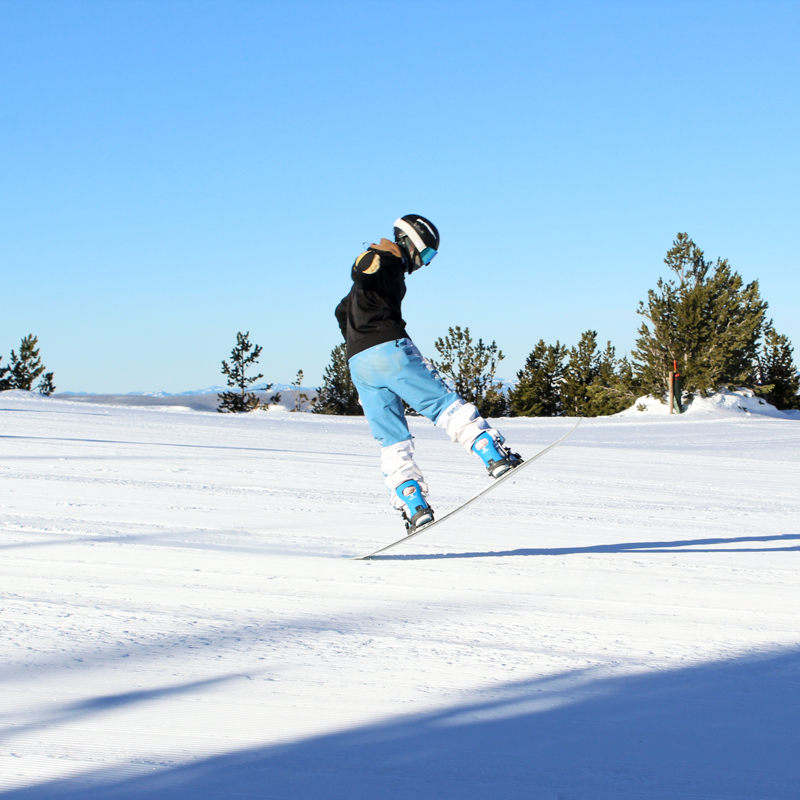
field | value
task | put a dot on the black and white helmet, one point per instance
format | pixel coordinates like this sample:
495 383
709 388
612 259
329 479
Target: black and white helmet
418 237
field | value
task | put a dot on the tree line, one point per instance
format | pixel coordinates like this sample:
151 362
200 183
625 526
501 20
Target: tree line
703 320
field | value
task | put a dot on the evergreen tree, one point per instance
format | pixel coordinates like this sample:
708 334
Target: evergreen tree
274 400
495 402
614 387
236 372
46 385
298 396
338 394
538 389
470 368
705 319
582 368
5 383
775 375
24 368
589 383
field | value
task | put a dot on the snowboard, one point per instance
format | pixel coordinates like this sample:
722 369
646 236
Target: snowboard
493 485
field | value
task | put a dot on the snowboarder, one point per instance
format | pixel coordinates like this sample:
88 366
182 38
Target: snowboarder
387 368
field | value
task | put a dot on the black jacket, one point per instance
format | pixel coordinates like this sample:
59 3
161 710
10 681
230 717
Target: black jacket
371 313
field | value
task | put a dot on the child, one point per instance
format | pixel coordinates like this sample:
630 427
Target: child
387 368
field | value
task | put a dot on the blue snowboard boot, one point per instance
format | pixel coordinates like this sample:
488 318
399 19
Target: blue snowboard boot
417 512
497 458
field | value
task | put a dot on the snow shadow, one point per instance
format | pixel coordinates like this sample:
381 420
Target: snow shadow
726 730
676 546
81 709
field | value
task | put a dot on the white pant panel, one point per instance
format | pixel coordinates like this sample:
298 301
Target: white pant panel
398 465
464 424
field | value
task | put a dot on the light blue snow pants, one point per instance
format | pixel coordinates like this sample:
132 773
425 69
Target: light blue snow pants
388 372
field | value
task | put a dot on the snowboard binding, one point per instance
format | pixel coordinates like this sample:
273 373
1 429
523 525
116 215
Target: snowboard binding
496 458
416 511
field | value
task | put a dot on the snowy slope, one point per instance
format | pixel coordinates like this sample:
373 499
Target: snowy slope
181 617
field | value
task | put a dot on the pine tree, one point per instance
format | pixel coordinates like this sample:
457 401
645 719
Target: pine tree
46 385
495 402
538 389
470 368
5 383
705 319
298 396
590 384
582 369
338 394
614 387
25 368
775 376
241 358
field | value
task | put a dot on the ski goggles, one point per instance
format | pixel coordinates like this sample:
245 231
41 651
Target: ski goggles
427 255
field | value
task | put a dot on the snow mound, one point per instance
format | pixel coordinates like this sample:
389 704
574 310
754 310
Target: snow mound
740 401
723 403
647 405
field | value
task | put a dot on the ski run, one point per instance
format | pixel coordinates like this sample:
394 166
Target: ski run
182 616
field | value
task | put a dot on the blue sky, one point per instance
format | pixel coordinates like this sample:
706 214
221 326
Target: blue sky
174 172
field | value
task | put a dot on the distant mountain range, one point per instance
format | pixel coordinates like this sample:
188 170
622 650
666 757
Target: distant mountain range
198 400
276 387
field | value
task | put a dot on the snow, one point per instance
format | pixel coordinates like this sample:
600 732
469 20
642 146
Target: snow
733 402
200 400
182 617
736 402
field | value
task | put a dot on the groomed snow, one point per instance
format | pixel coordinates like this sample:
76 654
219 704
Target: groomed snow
181 616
